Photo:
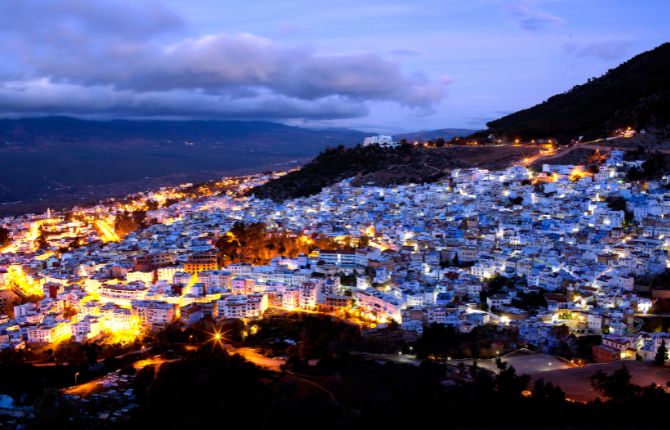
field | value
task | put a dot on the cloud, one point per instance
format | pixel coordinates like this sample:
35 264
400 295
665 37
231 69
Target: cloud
603 50
45 97
137 58
532 18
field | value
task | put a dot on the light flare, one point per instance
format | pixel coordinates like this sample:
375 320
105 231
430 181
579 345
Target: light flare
106 231
18 279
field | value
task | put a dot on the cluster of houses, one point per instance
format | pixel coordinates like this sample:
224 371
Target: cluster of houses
415 254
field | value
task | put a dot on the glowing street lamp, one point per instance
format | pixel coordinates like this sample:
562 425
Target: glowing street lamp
217 337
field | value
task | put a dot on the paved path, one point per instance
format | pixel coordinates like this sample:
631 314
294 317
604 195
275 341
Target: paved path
586 145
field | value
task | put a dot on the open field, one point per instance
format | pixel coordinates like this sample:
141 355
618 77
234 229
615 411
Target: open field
577 385
529 364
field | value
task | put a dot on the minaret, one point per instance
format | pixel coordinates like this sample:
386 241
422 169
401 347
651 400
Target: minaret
48 212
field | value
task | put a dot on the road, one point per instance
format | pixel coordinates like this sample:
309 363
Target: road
275 364
255 357
111 378
316 385
586 145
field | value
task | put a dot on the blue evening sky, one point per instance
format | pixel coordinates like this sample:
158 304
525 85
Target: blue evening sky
450 63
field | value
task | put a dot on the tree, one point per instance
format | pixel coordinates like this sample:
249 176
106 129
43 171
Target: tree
516 200
440 142
547 392
510 385
69 312
616 386
4 236
128 222
661 354
42 239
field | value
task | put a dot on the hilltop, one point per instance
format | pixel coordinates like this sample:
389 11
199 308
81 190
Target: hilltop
378 166
635 94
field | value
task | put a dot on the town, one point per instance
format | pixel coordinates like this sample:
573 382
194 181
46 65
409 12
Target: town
413 254
556 258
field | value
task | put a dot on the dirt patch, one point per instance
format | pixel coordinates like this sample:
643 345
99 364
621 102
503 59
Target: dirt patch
576 384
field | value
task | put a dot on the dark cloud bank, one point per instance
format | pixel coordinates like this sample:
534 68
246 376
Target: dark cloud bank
138 59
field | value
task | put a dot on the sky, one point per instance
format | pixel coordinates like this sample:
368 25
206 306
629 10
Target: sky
378 66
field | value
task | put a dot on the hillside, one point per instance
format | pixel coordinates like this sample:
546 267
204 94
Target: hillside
374 165
636 93
58 161
445 133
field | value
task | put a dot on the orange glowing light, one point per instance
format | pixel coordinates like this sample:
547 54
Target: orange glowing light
18 279
121 331
305 240
106 231
217 337
578 173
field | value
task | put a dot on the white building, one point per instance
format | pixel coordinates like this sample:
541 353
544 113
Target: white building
381 140
155 314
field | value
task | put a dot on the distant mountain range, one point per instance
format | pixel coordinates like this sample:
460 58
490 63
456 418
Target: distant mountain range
248 135
445 133
636 94
60 161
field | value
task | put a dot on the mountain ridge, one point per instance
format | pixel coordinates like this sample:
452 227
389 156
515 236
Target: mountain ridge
634 94
59 161
260 135
445 133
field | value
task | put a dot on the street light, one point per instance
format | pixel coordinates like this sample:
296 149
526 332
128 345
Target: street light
76 374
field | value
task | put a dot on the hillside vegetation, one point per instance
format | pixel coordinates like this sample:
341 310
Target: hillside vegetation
374 165
636 94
